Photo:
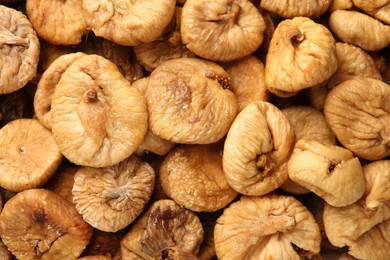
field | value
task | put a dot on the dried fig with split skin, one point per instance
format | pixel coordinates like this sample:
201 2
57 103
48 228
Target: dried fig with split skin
165 231
39 224
302 54
189 101
193 177
379 9
360 30
128 23
110 198
358 112
98 120
257 148
19 50
267 227
29 155
291 9
222 30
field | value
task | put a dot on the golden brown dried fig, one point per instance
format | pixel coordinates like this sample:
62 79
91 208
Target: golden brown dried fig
193 177
62 181
267 227
189 101
379 9
128 23
60 22
302 54
340 4
221 30
257 148
110 198
39 224
165 231
50 52
358 112
19 50
247 80
360 30
29 155
98 120
291 9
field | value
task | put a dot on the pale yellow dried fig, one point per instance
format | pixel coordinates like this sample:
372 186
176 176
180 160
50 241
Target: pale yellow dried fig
221 30
379 9
62 181
189 101
294 8
257 148
267 227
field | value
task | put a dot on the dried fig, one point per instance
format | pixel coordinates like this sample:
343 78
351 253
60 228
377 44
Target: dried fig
267 227
128 23
60 22
110 198
302 54
340 4
189 101
98 120
360 30
291 9
39 224
221 30
358 112
95 257
380 9
193 177
257 148
19 50
165 231
29 155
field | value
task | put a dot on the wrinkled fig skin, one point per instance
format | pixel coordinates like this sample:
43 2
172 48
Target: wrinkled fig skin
358 112
379 9
19 50
377 176
329 171
165 231
267 227
257 148
221 30
39 224
291 9
360 30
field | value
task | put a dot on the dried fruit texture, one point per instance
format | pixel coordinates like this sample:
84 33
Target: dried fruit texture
129 23
330 171
47 84
29 155
98 120
291 9
151 143
110 198
5 254
19 50
379 9
358 112
104 243
192 175
247 80
267 227
301 54
50 52
46 226
360 30
340 4
122 56
222 30
165 231
257 148
95 257
14 106
189 101
168 46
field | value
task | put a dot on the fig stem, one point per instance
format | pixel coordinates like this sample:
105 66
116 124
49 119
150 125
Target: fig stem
263 166
91 95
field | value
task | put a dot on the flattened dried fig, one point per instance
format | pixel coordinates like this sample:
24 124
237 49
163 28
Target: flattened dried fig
268 227
193 177
39 224
257 148
29 155
222 30
380 9
189 101
111 198
98 120
301 54
291 9
360 30
19 50
128 23
358 112
62 181
165 231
